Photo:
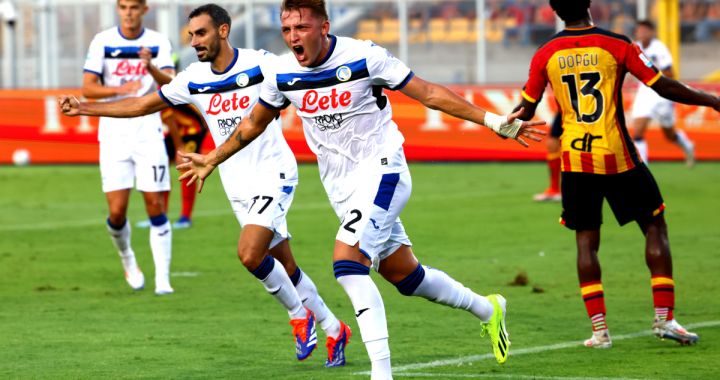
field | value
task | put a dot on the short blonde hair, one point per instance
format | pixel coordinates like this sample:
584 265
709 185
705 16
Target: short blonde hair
316 6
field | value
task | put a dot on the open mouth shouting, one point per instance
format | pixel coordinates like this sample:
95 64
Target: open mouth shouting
299 52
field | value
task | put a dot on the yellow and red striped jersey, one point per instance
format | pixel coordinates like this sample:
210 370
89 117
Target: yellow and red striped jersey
586 68
187 118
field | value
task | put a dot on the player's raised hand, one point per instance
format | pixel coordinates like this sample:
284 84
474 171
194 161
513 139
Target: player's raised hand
195 167
145 56
526 128
69 105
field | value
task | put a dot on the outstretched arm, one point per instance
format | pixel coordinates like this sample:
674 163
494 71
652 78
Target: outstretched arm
437 97
197 167
678 92
128 107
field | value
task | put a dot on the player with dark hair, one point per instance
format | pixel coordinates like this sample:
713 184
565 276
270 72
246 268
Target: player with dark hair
648 105
585 67
336 84
260 182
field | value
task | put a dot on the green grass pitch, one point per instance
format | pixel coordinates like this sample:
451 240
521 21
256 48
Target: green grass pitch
66 312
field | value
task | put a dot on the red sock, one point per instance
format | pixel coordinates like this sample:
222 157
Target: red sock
594 297
553 161
663 288
188 198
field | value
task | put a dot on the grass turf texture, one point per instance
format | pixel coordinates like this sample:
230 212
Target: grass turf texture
66 311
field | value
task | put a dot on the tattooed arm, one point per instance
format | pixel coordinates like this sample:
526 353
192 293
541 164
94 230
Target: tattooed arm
197 167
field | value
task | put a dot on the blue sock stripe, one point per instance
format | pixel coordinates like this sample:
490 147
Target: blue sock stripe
409 284
114 227
348 268
158 220
295 278
266 266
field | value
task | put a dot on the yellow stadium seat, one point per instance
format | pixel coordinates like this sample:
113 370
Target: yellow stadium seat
417 33
459 30
438 30
389 31
367 30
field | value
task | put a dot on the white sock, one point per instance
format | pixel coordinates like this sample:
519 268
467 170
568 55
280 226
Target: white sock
379 352
370 316
161 246
276 281
121 241
311 299
683 140
642 149
440 288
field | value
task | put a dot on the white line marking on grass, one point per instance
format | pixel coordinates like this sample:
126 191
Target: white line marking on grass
529 350
301 207
501 376
185 274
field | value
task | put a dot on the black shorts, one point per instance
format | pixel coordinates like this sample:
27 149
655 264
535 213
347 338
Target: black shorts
633 196
557 129
192 143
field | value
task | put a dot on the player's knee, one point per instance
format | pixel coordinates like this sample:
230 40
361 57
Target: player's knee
117 218
154 205
249 256
410 283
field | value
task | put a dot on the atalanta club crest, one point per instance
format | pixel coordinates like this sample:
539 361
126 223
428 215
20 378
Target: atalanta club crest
343 73
242 80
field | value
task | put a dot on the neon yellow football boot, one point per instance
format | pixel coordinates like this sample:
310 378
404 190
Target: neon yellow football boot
495 327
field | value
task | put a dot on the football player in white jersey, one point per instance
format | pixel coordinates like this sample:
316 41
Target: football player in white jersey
260 181
648 105
131 150
336 84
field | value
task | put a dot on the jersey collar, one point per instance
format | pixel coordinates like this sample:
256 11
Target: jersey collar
130 39
333 41
230 66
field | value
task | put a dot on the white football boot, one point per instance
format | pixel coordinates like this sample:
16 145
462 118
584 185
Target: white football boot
599 339
162 286
672 330
134 277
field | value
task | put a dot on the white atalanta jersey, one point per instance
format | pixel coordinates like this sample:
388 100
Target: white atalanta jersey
661 58
115 59
346 118
224 99
658 54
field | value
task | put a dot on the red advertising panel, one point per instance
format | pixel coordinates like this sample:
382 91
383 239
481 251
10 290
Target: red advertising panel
31 121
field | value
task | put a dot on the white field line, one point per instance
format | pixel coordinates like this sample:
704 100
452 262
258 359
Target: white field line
501 376
227 211
184 274
529 350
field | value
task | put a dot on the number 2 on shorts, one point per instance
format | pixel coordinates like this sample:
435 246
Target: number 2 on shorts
349 225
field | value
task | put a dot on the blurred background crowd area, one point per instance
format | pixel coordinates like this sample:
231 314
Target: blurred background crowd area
524 22
44 42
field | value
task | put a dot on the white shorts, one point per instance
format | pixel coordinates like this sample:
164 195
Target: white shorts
267 207
143 164
648 104
371 215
